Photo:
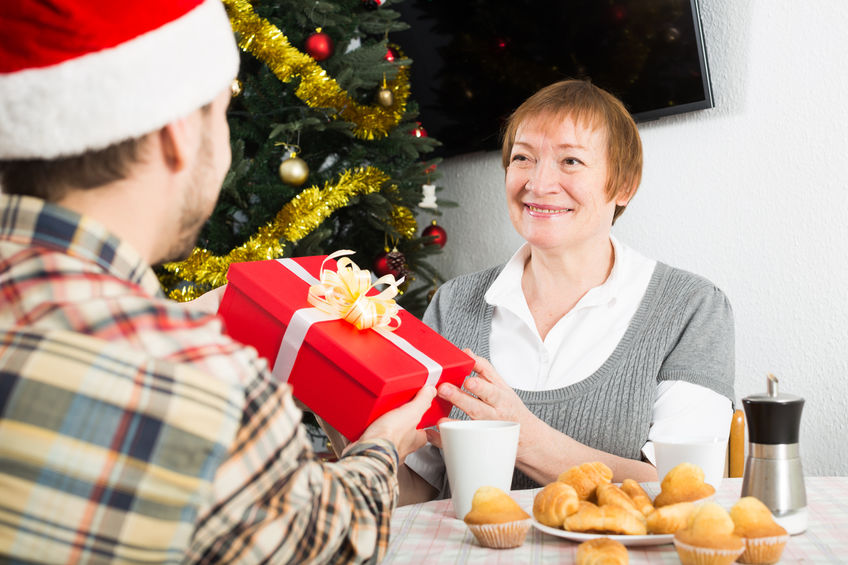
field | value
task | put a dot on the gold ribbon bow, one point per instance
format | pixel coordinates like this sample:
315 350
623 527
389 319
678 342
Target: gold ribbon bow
342 293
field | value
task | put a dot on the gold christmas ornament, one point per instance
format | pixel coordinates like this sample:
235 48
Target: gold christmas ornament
294 170
265 41
385 97
236 87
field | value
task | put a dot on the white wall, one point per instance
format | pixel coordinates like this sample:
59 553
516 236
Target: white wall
751 194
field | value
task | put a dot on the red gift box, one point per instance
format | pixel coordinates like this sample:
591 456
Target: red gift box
348 377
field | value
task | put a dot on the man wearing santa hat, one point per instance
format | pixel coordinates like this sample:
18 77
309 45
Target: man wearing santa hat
131 427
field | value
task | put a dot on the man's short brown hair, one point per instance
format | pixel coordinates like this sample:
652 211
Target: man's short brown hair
595 108
50 179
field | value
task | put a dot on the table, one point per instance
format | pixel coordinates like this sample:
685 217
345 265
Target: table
429 533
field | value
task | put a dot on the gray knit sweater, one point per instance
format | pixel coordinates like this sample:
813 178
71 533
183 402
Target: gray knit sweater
682 330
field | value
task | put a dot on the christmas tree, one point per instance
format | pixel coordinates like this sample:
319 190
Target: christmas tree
327 152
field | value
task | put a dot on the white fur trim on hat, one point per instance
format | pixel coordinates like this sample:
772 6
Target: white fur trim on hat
118 93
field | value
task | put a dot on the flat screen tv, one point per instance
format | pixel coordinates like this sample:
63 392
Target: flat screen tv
475 61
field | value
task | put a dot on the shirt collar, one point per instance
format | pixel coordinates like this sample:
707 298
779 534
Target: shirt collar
32 222
507 285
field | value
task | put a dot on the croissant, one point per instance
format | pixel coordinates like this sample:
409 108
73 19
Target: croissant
610 494
606 520
553 503
684 483
638 495
670 518
586 477
602 551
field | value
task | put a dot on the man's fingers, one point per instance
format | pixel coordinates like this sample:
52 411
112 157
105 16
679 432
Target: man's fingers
424 398
434 437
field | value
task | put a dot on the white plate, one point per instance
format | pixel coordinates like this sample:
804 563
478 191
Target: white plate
650 539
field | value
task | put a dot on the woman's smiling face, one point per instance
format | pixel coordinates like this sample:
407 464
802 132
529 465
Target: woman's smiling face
556 184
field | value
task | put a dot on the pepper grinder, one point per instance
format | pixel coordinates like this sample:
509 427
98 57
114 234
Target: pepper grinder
773 472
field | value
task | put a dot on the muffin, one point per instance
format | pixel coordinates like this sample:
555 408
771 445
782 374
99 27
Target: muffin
764 538
602 551
496 520
684 483
554 503
708 539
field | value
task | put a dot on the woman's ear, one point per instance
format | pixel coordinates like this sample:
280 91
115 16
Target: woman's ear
623 197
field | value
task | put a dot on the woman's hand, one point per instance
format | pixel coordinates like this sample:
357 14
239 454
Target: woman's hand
495 400
543 452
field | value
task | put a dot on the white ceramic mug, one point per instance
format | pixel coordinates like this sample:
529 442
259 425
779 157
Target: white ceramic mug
478 453
708 453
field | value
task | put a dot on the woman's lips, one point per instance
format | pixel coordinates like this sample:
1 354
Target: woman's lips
544 210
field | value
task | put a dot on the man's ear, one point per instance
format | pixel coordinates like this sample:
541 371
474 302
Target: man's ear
174 142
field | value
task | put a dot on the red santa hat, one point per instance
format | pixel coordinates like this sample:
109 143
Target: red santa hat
77 75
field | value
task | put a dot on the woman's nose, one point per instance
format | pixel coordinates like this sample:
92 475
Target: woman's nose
544 178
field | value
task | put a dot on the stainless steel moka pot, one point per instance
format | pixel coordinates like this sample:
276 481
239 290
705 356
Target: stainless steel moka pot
773 472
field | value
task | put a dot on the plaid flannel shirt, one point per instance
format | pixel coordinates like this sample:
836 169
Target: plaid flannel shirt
132 429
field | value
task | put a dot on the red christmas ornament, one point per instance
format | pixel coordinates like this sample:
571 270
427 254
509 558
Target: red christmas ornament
391 263
419 130
381 265
319 45
372 4
437 231
391 55
430 169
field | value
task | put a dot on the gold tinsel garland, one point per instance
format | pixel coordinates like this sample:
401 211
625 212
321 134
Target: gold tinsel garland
265 40
296 219
404 222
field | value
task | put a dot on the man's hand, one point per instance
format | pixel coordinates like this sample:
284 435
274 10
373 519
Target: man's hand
398 425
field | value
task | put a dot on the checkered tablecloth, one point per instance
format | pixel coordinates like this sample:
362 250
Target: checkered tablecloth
429 532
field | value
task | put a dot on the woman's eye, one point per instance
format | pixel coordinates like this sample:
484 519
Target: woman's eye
571 161
519 158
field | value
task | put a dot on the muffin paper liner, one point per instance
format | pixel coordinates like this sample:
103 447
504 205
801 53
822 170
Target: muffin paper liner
501 536
763 550
693 555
